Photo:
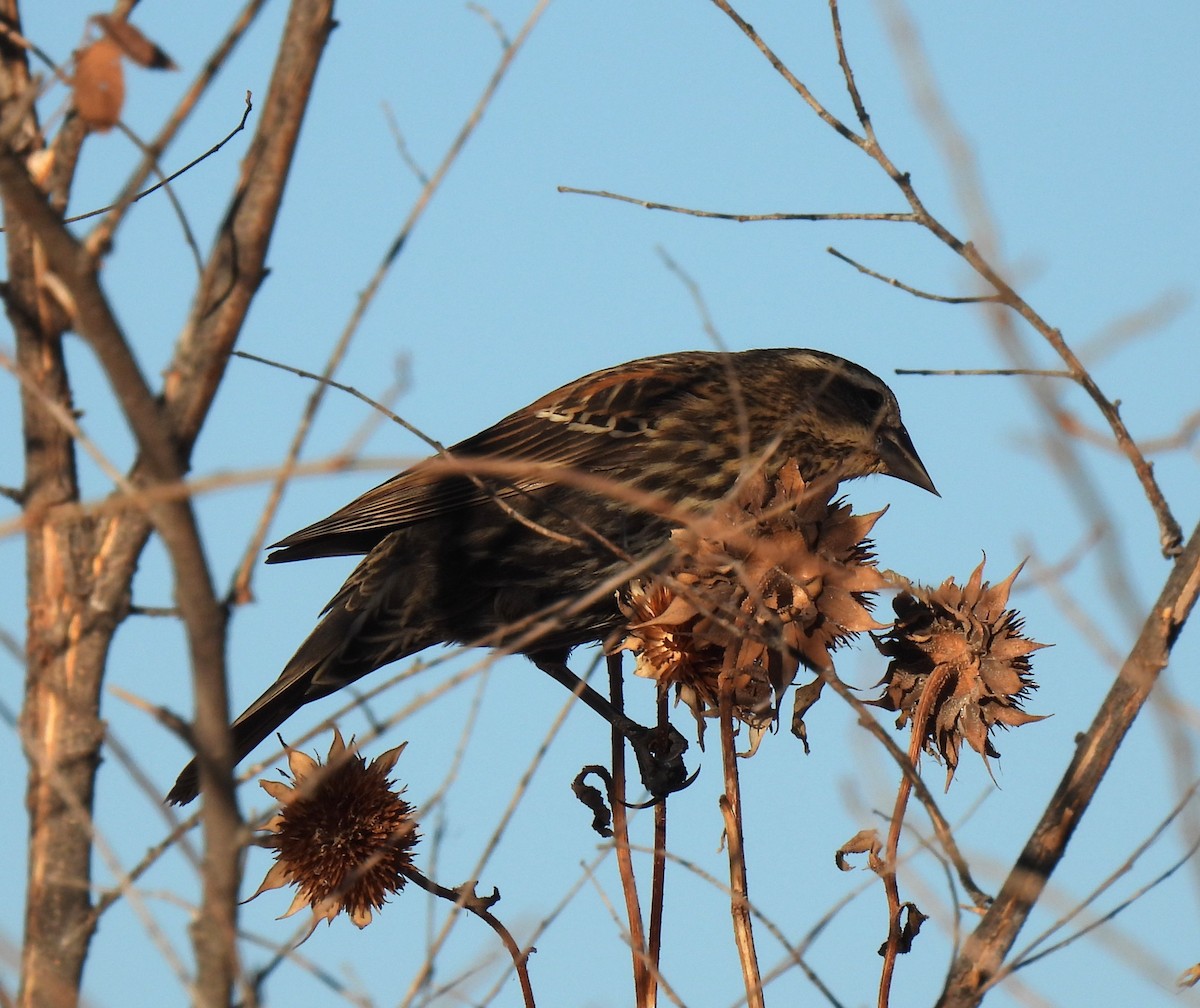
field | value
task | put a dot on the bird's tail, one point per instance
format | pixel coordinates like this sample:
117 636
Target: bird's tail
350 641
286 696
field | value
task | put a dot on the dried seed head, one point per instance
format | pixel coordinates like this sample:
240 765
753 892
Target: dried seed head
775 576
343 836
959 665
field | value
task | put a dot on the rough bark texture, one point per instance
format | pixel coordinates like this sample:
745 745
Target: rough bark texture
66 637
79 568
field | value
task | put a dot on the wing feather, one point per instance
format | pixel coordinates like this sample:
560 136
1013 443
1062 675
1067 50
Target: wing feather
575 427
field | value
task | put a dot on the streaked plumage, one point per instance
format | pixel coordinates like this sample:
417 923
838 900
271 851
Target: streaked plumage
555 500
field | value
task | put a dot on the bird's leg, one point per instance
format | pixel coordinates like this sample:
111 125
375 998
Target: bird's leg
659 751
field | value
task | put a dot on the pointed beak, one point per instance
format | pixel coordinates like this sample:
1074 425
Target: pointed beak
900 459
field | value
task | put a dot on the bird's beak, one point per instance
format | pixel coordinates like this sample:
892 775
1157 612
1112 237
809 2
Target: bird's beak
900 459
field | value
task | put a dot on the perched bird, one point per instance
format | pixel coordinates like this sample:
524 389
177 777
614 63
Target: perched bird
519 537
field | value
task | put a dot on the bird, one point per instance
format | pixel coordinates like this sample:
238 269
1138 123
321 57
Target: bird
519 537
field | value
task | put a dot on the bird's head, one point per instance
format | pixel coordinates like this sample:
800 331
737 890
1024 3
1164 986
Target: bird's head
855 417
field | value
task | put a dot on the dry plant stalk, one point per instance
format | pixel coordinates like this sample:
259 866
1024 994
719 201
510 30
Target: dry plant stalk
960 666
775 576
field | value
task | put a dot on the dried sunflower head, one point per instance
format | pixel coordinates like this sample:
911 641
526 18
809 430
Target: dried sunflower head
960 665
774 577
343 836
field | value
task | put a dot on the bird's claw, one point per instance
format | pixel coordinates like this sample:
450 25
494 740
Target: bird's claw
659 752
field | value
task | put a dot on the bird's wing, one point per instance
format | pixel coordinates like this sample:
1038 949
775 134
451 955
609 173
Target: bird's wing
582 426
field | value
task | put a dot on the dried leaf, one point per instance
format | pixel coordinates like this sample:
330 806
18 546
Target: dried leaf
909 929
99 86
593 799
806 696
133 43
863 842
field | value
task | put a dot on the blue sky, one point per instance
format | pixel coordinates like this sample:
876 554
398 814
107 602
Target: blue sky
1083 127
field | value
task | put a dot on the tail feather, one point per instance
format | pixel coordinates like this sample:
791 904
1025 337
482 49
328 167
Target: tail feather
331 657
264 716
376 618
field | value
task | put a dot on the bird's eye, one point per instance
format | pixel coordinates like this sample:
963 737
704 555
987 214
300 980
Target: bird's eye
869 403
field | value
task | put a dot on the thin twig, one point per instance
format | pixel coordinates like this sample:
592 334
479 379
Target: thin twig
983 953
1002 372
466 898
519 791
406 155
210 67
893 282
149 152
663 986
493 23
860 109
643 979
827 117
1027 956
189 236
658 865
795 952
941 827
731 814
1170 534
241 586
741 218
1183 437
920 729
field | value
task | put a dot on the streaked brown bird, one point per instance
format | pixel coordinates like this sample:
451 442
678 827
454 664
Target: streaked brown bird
518 538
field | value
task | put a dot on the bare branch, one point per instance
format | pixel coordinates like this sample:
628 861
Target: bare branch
902 218
101 237
1029 956
465 897
980 961
893 282
1000 372
166 180
797 85
1170 534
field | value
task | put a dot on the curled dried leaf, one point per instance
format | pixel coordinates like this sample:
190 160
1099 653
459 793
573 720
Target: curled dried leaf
593 798
911 920
863 842
805 697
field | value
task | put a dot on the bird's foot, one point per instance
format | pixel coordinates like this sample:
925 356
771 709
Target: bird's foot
659 752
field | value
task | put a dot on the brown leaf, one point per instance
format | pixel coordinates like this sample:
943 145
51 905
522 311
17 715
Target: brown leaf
133 43
593 799
913 919
99 84
806 696
863 842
